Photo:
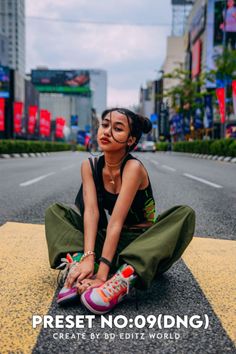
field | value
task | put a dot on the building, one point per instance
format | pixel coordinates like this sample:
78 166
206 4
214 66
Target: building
180 13
206 41
72 94
3 50
12 26
98 85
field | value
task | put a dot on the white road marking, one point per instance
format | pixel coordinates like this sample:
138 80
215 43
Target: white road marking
202 180
67 167
168 168
35 180
155 162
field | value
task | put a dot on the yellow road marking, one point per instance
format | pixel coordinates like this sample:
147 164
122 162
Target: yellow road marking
213 264
27 285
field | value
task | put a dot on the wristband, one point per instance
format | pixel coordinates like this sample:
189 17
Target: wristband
105 261
86 254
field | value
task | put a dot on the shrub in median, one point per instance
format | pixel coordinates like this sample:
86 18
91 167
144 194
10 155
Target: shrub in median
162 146
220 147
24 146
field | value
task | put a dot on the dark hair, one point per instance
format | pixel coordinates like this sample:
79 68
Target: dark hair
137 123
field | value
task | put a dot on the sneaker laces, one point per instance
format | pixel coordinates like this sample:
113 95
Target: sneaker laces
115 284
64 268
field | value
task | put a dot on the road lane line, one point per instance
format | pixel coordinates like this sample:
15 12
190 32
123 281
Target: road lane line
155 162
202 180
213 264
27 285
35 180
168 168
67 167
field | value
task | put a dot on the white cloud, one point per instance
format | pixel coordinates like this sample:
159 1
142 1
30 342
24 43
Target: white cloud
122 97
130 54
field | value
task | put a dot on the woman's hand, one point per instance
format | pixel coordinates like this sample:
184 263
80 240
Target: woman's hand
87 284
80 271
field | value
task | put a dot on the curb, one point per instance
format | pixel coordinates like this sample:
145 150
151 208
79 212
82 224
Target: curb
202 156
25 155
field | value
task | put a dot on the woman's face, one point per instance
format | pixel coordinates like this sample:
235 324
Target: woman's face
114 132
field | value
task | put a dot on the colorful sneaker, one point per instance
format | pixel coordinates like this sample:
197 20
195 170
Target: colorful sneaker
102 299
66 265
67 295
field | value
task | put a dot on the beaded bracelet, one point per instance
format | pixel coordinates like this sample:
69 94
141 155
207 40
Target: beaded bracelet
86 254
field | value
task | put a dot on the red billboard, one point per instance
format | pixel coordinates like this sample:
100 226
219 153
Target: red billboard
44 122
47 123
220 93
2 114
18 112
32 119
196 58
60 123
234 94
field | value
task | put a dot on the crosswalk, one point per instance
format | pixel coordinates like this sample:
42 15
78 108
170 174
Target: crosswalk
28 285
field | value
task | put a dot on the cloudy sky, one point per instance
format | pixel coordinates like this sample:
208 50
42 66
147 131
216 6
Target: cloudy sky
130 51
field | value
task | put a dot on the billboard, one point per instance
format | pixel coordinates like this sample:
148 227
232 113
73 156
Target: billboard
225 24
196 58
61 81
220 31
4 82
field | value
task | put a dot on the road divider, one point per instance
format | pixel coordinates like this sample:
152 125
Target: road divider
202 180
35 180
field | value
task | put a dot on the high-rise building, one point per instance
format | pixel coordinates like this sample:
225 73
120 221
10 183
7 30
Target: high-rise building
12 26
180 13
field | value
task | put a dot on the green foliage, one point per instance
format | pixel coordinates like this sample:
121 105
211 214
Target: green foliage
22 146
183 96
162 146
220 147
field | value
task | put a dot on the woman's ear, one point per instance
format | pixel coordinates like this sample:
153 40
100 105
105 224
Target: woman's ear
131 140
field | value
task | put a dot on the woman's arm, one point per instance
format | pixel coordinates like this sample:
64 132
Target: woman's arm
132 178
85 269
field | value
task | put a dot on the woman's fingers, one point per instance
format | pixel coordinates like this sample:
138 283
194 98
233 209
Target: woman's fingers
73 274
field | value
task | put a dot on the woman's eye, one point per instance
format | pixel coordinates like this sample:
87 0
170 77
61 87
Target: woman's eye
104 125
117 129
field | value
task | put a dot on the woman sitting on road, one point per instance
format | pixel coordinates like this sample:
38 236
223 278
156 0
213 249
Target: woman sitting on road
134 244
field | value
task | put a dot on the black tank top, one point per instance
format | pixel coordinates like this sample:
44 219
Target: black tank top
143 206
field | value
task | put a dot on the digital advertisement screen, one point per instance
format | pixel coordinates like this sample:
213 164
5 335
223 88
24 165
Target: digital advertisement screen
61 81
4 82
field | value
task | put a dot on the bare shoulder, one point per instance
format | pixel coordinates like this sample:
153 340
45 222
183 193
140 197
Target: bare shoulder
135 168
86 168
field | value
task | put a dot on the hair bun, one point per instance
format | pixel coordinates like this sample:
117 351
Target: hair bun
146 124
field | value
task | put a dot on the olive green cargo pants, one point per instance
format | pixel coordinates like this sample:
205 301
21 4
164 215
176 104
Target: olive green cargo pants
150 251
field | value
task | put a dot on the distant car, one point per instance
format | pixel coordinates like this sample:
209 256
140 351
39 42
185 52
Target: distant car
148 146
138 147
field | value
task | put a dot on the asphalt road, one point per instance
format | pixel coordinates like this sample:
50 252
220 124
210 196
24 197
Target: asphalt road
215 205
29 185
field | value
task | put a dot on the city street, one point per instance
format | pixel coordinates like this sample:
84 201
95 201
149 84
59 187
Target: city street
202 283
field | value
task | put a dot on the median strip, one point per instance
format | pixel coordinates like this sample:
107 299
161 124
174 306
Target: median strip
202 180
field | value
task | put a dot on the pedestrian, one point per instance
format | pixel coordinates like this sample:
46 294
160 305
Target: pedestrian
135 244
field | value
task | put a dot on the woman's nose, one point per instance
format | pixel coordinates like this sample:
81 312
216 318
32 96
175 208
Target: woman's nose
107 130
